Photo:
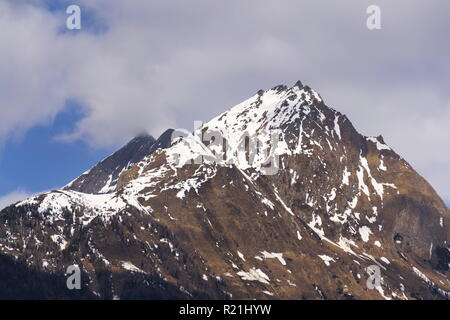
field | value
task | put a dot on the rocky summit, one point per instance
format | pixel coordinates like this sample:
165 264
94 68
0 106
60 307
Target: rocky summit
322 213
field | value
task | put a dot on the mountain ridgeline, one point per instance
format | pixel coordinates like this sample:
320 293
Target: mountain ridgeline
342 216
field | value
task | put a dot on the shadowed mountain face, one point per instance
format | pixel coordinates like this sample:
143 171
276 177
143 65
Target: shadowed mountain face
208 216
104 176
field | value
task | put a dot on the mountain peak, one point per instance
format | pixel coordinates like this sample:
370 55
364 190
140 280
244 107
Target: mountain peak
279 88
143 135
104 177
298 84
340 203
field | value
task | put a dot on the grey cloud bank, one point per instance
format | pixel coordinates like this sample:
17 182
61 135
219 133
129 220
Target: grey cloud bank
162 64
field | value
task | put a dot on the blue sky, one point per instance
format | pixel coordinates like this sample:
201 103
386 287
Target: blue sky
37 161
70 98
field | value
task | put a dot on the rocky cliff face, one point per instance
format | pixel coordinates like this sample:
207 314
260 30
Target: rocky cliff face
279 197
104 176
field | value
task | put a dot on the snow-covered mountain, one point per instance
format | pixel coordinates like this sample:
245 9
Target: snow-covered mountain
278 197
104 176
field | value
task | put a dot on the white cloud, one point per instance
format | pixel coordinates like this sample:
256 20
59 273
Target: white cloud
165 63
12 198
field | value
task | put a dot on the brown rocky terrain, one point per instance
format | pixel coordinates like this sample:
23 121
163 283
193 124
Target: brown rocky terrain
204 218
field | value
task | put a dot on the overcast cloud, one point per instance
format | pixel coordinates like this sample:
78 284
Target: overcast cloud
151 65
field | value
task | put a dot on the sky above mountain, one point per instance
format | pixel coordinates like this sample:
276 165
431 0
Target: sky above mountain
69 98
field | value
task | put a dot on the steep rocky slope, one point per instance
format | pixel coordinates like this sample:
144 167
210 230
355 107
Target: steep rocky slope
104 176
211 217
